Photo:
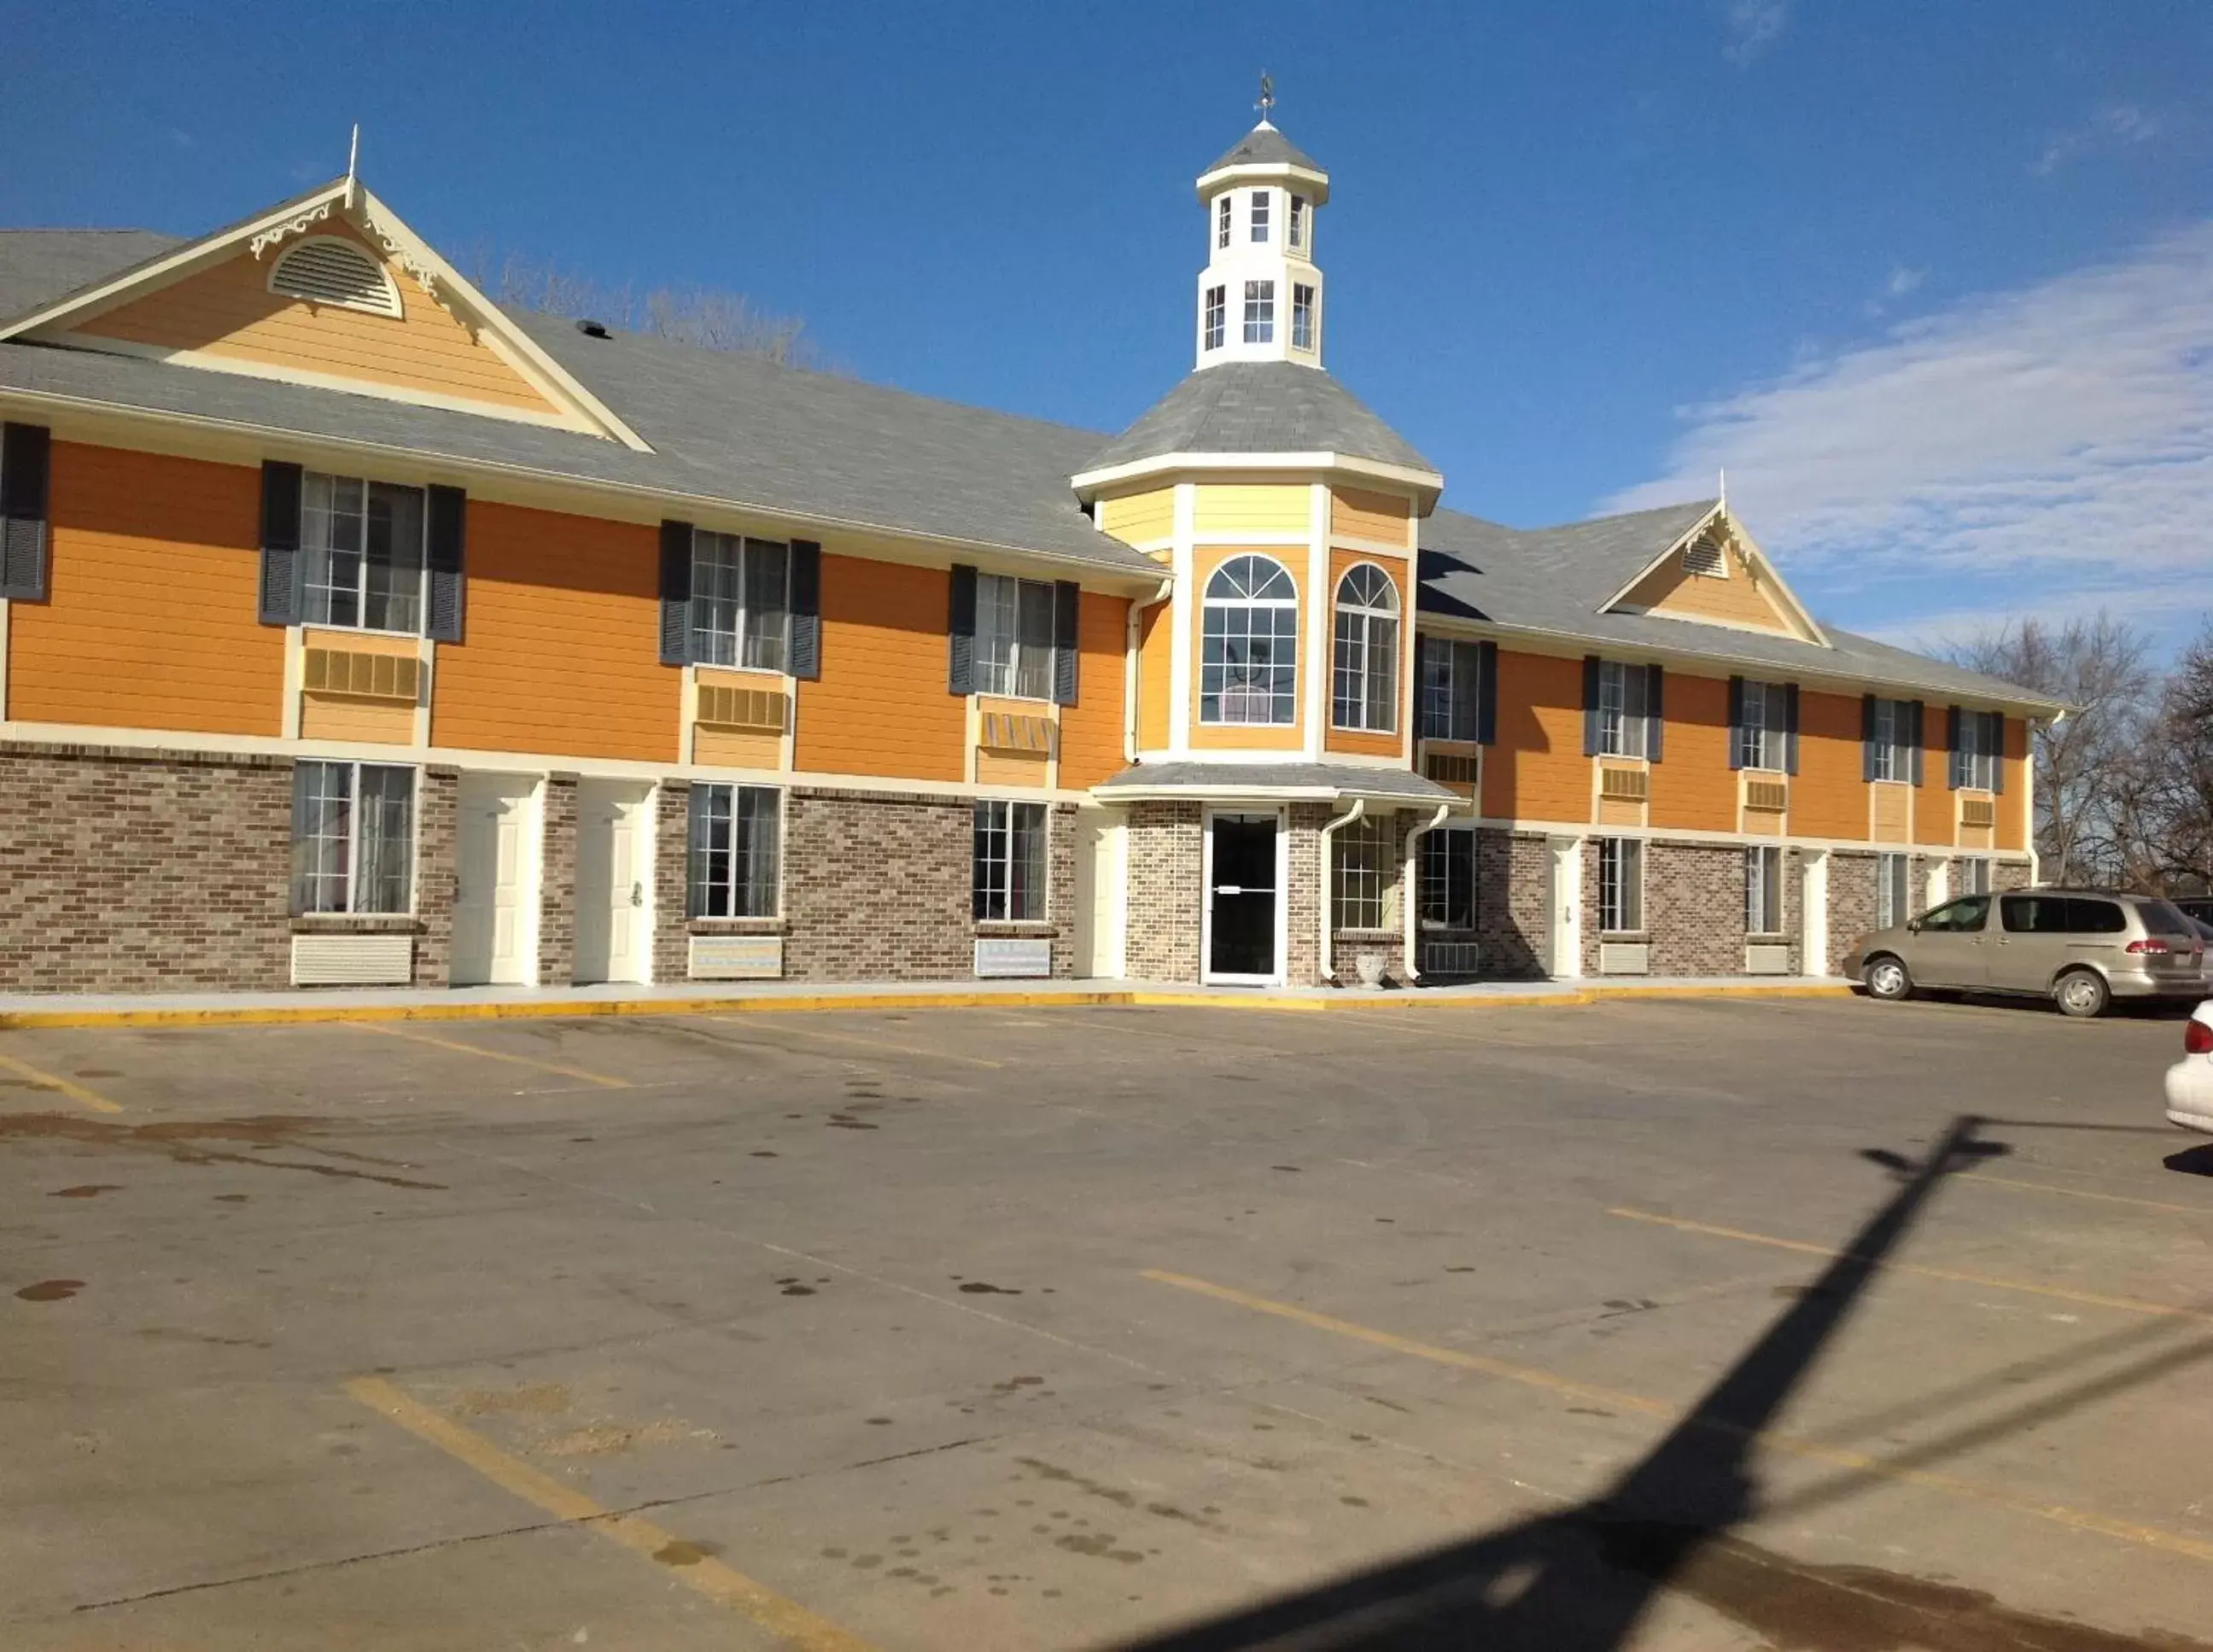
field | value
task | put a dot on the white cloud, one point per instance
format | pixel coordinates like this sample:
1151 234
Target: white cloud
2020 450
2117 125
1751 26
1903 281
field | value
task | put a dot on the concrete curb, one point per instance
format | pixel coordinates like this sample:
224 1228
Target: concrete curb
310 1012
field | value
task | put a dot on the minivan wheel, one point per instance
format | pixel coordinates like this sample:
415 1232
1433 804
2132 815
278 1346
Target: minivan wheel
2081 992
1886 979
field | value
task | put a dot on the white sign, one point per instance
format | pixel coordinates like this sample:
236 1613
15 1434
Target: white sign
737 957
1008 956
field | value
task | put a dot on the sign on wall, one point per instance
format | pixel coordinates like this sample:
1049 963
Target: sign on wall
1008 956
737 957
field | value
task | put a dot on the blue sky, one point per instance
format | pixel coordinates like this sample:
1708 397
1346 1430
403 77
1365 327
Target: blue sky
1934 281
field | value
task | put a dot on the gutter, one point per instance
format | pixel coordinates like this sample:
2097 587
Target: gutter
1328 969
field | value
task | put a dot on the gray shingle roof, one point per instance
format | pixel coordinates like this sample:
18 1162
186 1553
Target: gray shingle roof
39 265
1556 579
1333 779
1241 407
1264 146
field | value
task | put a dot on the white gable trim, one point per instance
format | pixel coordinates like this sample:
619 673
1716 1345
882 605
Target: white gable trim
1426 484
1753 554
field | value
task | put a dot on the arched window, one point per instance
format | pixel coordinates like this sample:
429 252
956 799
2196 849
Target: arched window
1365 689
1249 645
330 269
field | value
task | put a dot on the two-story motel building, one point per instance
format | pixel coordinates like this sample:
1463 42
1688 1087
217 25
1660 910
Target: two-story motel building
354 629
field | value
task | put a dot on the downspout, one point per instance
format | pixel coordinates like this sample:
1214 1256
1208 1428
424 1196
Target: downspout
1329 886
1409 908
1130 668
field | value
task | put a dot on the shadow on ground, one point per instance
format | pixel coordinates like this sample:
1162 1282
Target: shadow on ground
1582 1580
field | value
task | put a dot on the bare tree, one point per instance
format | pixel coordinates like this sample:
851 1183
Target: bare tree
2092 808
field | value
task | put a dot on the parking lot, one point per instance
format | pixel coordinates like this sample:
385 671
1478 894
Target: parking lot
1816 1324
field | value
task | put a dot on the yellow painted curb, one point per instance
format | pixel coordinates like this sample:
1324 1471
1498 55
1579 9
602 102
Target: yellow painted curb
563 1009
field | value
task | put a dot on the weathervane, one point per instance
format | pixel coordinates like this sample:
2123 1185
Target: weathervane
1266 106
353 163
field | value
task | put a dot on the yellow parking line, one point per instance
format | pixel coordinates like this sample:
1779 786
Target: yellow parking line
2085 1193
2131 1304
884 1044
496 1055
756 1601
46 1081
2150 1537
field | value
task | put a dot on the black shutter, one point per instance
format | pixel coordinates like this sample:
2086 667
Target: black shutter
280 544
1791 728
960 632
1655 715
805 610
25 456
1590 705
1917 713
1996 746
675 593
1867 737
1067 598
1736 723
1952 745
449 529
1486 693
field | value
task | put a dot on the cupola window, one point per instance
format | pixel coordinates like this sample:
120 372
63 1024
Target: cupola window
1301 316
326 270
1259 214
1298 223
1217 308
1222 221
1259 312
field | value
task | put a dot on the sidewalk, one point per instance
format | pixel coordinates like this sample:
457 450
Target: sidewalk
24 1010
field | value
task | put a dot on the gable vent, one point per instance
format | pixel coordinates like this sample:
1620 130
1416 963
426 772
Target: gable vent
325 270
1703 559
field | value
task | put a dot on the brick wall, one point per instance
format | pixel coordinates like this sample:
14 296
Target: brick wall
1853 898
1693 906
1306 870
1512 917
143 871
1164 892
672 819
438 872
556 884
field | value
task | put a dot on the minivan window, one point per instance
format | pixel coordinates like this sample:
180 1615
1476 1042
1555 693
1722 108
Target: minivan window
2034 914
1967 914
2159 918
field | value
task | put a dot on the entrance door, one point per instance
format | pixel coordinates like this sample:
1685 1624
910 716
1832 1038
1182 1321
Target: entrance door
610 881
1241 893
1097 907
491 926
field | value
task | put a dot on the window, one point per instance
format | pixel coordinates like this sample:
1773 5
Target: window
1963 916
2034 914
1975 875
1447 879
1298 222
1450 689
1249 645
1621 716
1259 312
1761 727
1217 310
1301 316
1009 878
1222 221
1621 885
362 543
737 840
741 601
1763 891
1366 685
1980 734
353 836
1014 636
1892 734
1259 214
1362 860
1893 890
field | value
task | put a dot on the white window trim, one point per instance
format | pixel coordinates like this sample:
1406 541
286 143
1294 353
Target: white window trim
1632 728
782 811
1625 894
1897 896
745 544
1368 615
1303 309
1892 748
422 626
353 768
1298 228
1255 316
1371 833
1224 217
1767 736
1760 861
1016 654
1005 807
1214 317
1208 602
1260 218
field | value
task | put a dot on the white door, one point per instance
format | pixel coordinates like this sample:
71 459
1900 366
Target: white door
493 922
610 881
1814 915
1098 913
1564 949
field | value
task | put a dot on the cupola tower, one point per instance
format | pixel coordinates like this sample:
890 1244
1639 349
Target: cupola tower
1259 297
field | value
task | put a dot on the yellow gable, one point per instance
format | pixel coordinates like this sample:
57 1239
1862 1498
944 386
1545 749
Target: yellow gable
226 316
1711 579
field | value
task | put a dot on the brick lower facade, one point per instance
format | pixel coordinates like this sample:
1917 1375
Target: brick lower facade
556 883
1163 888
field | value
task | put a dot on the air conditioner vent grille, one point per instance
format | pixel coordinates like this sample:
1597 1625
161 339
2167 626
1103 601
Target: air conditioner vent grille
327 270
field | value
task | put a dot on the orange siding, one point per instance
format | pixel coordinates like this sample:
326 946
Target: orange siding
1156 676
562 644
881 706
1935 805
1828 799
2013 804
1741 599
151 624
228 311
1360 740
1693 788
1091 729
1537 770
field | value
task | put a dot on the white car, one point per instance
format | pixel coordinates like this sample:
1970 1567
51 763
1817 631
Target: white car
2190 1081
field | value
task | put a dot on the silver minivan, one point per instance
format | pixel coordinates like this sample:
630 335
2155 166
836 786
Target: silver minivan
2080 947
